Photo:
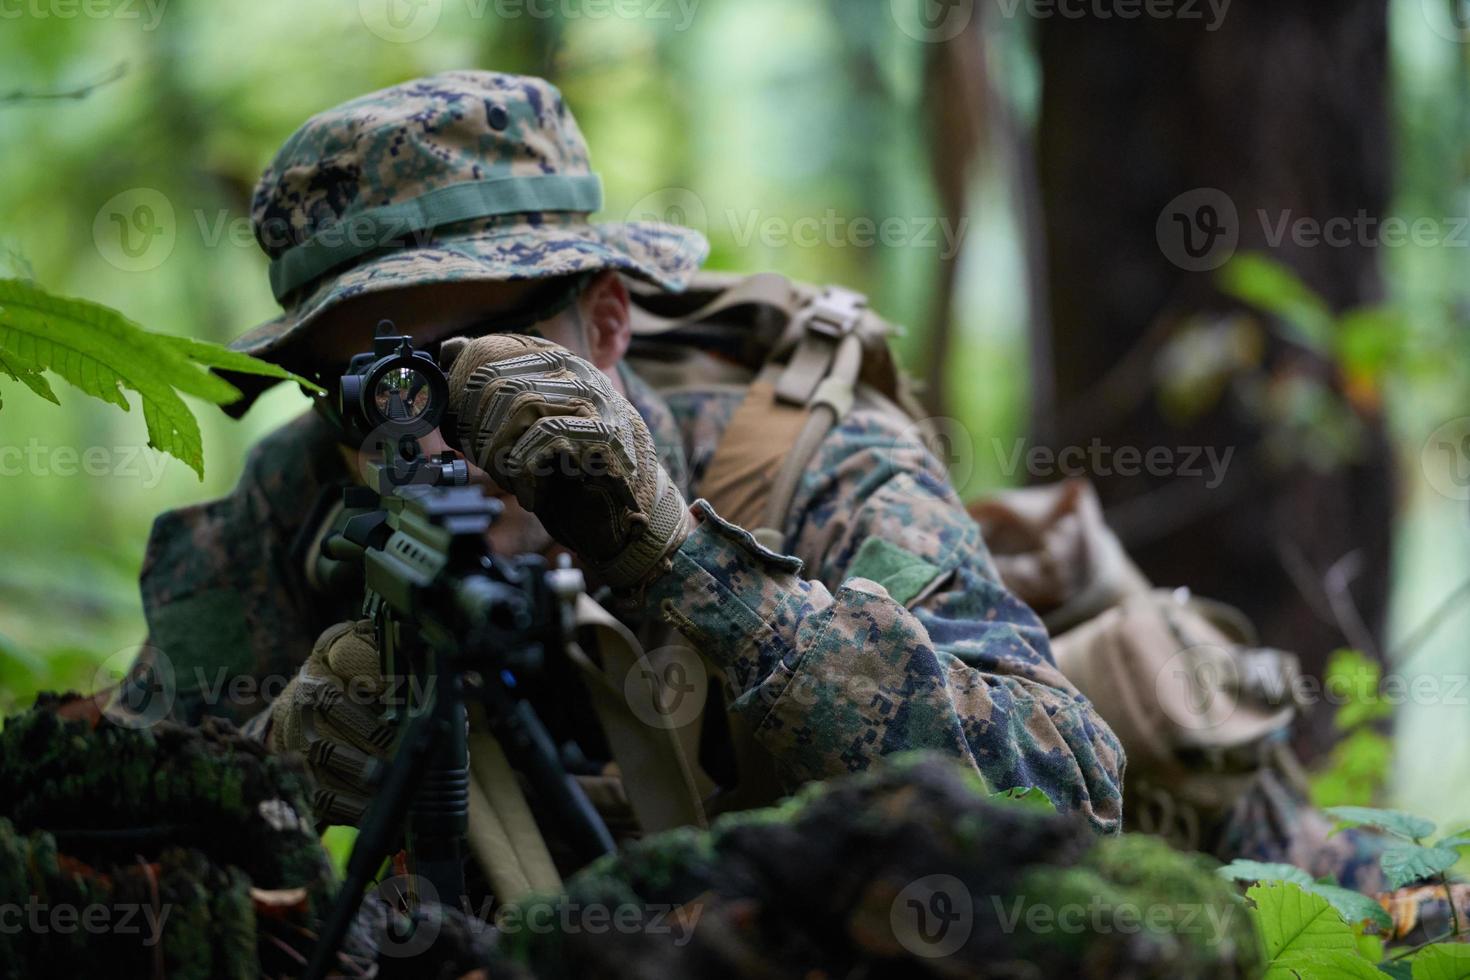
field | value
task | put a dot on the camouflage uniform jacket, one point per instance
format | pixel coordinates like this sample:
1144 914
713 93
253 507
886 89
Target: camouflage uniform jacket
885 628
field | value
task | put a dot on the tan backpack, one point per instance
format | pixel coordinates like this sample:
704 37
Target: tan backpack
803 355
1199 706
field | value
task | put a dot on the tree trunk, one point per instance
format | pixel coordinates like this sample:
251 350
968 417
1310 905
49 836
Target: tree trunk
956 95
1282 111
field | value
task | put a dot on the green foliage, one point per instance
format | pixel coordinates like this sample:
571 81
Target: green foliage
1355 769
1352 906
1301 940
1403 863
24 674
1274 288
1301 934
1409 859
28 374
1443 961
1358 765
1367 343
102 352
1305 936
338 842
1025 797
1242 869
1396 822
1319 421
1359 675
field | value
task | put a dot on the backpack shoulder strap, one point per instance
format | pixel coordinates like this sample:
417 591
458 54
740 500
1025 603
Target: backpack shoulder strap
813 352
809 348
806 387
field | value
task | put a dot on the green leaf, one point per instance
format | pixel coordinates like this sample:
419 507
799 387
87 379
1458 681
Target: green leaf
1456 840
1243 870
28 374
1025 797
339 840
1356 769
1395 822
1334 965
1370 948
1355 907
1403 863
215 356
1442 961
1292 921
1360 677
1372 340
1273 288
14 263
102 352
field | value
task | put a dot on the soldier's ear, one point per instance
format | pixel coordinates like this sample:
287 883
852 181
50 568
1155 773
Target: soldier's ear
604 305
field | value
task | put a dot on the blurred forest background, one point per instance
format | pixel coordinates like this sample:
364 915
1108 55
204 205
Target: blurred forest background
1098 229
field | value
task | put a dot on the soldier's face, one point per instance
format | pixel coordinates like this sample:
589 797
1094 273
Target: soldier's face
425 313
595 327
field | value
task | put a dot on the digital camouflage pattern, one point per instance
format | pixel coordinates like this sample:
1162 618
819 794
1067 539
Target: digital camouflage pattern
393 147
226 595
832 672
231 616
884 629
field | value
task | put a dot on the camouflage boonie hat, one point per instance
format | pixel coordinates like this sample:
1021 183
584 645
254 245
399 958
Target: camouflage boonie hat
464 176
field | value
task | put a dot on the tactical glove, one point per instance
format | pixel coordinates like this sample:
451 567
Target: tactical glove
549 427
331 713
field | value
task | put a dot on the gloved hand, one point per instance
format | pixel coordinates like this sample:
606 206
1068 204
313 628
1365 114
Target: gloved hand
331 713
549 427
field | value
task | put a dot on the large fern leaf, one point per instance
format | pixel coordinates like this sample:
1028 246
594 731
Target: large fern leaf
102 352
27 374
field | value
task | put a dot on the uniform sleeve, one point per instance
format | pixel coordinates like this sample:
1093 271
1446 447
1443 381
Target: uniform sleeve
915 646
230 615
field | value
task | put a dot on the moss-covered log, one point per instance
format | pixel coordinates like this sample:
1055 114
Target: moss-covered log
910 871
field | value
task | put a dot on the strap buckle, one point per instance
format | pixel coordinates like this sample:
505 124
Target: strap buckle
835 313
823 323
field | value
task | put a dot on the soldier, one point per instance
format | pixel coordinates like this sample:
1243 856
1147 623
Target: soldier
457 206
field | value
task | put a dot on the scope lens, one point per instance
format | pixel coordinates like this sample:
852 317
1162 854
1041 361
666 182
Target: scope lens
401 394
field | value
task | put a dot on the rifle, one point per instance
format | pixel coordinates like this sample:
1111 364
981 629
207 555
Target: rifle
453 621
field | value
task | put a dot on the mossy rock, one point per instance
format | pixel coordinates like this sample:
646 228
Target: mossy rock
908 870
159 834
